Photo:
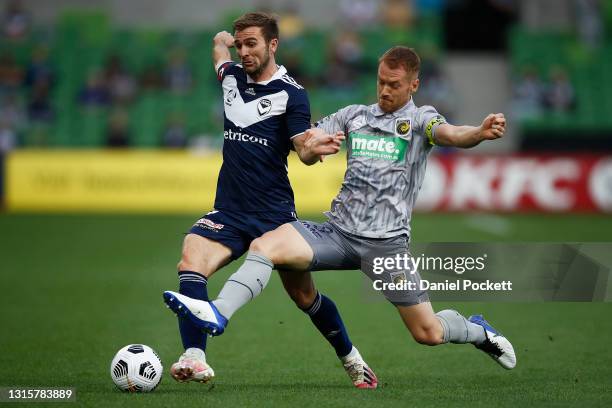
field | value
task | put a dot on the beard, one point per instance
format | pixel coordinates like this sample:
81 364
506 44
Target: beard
256 71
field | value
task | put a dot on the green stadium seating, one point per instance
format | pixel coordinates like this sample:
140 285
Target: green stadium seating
84 39
589 72
90 128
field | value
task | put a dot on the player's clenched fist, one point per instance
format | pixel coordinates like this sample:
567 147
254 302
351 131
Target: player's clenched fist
493 126
225 38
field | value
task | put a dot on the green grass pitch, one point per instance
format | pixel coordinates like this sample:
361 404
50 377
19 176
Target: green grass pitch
76 288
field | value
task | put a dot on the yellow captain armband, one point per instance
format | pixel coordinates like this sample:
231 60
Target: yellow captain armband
438 120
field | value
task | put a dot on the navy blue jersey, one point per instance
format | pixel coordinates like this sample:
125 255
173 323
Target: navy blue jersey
260 121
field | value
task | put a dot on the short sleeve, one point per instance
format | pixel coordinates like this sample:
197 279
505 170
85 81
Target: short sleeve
224 68
298 113
428 120
334 122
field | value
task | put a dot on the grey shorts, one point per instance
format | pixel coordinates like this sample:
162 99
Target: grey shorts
337 250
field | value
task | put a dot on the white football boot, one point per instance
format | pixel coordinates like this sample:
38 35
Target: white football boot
496 345
358 370
192 366
202 314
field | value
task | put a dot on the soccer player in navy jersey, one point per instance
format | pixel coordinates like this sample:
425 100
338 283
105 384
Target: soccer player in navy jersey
266 115
388 144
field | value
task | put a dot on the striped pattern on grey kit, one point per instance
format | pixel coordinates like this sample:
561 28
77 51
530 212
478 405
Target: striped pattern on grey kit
387 158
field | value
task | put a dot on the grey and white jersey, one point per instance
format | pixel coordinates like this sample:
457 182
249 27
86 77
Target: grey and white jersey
387 157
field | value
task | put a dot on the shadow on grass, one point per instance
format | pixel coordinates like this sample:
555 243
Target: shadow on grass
221 388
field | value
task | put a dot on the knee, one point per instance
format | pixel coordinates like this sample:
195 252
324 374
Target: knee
263 247
426 336
187 263
191 261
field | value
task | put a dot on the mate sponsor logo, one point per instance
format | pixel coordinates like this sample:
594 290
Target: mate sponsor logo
377 147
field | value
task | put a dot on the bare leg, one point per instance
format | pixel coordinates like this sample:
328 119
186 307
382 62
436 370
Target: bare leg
202 255
422 323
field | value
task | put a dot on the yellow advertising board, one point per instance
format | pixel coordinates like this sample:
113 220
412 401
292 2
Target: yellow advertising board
144 181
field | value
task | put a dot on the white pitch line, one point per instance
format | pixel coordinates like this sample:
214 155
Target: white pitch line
493 224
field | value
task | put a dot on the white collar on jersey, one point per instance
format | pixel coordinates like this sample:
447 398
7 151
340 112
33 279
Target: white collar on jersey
376 111
277 75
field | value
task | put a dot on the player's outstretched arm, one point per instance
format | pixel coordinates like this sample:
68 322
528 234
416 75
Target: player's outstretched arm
314 143
492 127
222 42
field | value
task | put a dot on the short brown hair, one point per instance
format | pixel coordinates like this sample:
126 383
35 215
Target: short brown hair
267 22
404 57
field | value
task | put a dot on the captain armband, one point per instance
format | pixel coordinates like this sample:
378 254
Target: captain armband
438 120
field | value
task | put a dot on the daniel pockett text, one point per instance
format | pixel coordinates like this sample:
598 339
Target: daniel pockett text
458 265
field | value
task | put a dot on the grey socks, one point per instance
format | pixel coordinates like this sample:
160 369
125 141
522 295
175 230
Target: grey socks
244 284
457 329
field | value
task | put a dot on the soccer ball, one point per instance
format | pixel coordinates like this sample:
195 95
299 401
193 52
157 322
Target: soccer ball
136 368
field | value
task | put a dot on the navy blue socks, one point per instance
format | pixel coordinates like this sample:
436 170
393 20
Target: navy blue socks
326 318
192 284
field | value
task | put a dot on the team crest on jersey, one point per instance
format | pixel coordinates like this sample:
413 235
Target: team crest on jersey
231 95
398 277
264 106
402 126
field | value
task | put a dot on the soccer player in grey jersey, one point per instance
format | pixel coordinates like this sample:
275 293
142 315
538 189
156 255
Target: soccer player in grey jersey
387 148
